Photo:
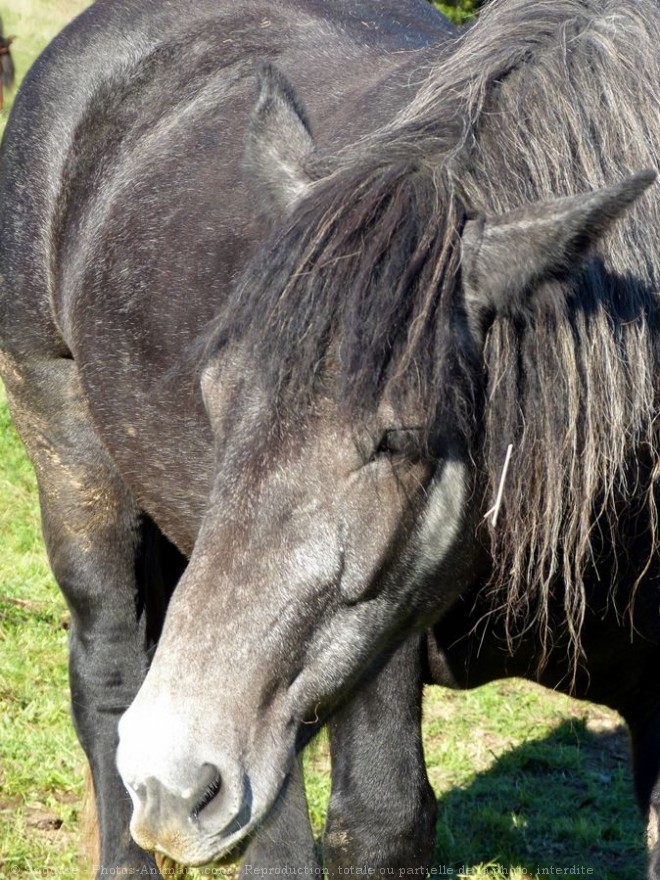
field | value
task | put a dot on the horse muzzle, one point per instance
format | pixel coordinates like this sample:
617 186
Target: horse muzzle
193 797
193 825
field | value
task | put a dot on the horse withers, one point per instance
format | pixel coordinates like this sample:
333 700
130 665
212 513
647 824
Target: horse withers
456 272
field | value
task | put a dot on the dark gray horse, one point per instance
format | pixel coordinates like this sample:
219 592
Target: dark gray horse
476 274
137 110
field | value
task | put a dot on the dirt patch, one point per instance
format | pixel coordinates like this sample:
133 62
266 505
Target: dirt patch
43 820
10 804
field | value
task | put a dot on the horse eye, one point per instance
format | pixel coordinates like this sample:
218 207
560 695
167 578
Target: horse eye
403 443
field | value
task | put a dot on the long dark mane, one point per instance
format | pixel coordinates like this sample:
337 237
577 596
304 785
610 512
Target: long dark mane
541 98
566 100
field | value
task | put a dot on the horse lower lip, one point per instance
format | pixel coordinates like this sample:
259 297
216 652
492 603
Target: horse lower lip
234 852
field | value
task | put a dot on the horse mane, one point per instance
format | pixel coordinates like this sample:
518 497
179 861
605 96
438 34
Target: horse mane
566 99
540 98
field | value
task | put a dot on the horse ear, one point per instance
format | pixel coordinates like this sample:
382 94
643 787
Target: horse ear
279 143
505 257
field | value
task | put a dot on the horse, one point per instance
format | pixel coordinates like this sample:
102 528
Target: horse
178 95
324 439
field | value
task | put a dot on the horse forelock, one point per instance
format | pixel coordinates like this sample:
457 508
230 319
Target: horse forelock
357 286
540 98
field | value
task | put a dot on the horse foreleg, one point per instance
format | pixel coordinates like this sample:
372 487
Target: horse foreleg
91 527
653 838
646 752
645 734
382 807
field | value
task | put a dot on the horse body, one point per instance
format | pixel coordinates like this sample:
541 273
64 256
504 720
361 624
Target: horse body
475 273
114 152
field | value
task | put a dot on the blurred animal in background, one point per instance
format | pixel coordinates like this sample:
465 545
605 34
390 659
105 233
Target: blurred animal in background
6 64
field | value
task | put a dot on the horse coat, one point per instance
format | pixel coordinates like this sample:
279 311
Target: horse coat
319 424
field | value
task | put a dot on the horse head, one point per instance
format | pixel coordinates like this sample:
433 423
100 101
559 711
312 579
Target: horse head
345 386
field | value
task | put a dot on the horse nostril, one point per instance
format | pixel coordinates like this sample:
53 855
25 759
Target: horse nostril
211 791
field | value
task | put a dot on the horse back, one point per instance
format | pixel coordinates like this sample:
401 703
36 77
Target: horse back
131 83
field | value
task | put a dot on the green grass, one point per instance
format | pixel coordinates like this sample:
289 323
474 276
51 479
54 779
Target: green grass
34 23
40 761
525 779
458 11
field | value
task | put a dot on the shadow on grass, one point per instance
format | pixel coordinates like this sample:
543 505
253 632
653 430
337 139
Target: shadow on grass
562 802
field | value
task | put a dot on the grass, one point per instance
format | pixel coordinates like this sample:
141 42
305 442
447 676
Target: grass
458 11
527 781
40 761
34 23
